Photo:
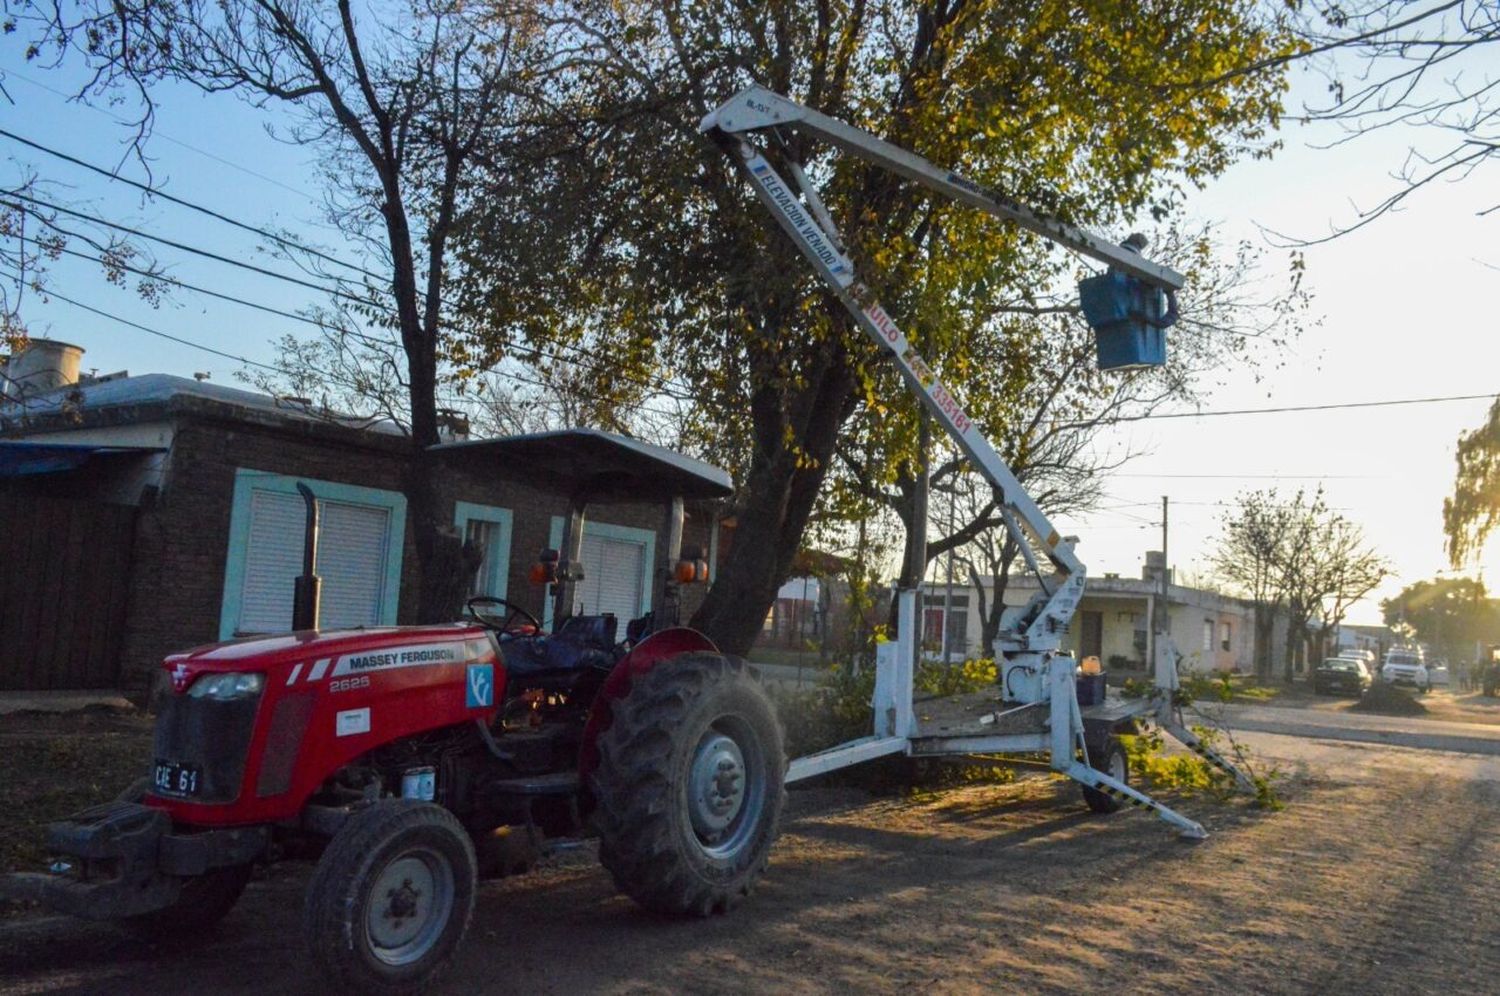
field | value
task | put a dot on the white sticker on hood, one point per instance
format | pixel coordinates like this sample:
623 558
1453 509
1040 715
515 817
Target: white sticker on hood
352 721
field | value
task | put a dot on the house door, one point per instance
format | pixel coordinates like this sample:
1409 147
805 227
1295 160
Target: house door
1092 642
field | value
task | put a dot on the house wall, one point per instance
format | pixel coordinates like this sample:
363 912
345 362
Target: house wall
1124 608
182 539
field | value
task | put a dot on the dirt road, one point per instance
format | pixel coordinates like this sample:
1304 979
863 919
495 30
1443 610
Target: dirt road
1378 877
1340 724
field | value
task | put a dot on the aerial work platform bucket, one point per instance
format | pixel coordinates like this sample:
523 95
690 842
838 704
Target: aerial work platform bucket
1130 319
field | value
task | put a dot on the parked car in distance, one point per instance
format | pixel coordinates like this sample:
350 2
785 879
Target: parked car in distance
1341 675
1437 674
1406 667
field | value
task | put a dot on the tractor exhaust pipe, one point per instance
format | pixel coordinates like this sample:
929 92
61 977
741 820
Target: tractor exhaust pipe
307 589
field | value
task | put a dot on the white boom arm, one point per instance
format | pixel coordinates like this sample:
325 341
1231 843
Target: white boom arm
811 228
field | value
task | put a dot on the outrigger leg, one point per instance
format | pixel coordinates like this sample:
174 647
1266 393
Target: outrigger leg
1173 724
1068 745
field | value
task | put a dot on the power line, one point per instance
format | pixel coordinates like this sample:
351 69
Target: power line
1390 403
184 247
204 290
600 363
659 384
1261 477
120 119
190 205
156 332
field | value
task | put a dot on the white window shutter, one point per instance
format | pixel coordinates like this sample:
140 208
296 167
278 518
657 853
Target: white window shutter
352 558
352 561
273 559
614 572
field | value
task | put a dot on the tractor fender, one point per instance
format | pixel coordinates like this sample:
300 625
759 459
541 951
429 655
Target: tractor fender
644 656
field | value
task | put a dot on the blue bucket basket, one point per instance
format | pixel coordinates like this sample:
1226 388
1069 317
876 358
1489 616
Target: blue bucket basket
1130 319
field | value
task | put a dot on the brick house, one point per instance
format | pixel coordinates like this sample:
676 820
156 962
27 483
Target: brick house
148 514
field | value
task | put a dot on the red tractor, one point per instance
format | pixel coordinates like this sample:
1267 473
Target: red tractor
407 761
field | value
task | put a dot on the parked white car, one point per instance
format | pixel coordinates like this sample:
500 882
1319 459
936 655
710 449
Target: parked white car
1406 667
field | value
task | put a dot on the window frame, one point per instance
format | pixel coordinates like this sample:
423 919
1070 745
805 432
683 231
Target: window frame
248 480
498 571
608 530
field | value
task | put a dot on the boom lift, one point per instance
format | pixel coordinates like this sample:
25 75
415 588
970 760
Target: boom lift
1130 307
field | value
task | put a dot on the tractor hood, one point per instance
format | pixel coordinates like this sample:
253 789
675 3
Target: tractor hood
346 651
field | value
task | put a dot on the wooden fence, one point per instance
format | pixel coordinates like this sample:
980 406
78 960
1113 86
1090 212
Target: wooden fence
64 582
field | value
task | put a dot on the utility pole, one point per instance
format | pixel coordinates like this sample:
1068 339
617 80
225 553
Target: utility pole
1163 626
948 592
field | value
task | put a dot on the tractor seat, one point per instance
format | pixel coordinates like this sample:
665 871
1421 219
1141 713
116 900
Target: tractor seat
581 641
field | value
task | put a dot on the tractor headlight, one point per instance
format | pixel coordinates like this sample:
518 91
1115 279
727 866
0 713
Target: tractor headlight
227 687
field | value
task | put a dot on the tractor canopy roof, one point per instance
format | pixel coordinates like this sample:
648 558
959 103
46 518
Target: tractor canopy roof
597 466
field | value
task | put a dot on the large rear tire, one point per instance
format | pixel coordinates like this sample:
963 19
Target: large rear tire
689 787
391 898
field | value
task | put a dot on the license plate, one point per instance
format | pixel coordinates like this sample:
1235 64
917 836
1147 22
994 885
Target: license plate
178 779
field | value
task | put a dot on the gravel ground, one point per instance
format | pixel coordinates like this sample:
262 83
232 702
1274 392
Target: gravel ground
1377 877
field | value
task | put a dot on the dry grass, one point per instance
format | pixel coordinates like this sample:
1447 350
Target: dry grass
54 764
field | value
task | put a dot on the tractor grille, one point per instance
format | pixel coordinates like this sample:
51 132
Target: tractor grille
213 737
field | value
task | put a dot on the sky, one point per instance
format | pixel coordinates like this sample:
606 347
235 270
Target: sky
1406 310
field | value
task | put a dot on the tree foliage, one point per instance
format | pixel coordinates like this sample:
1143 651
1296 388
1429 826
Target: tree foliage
1297 560
1448 614
664 262
1471 514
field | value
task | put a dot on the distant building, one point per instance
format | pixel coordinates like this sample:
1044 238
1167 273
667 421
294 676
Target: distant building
1213 632
798 616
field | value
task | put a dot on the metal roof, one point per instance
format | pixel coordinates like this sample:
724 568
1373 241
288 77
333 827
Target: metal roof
21 459
598 466
147 389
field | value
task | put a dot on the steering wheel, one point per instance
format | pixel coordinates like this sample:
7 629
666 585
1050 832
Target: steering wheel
513 611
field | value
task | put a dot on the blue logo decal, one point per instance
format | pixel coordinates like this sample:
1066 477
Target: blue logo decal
480 693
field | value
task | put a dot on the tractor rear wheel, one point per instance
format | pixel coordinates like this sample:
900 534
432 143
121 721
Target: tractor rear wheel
391 898
689 787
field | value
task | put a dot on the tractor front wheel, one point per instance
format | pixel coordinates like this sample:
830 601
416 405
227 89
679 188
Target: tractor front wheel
689 787
391 898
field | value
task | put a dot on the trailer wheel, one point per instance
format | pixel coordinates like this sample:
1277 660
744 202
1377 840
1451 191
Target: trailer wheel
689 786
1110 760
391 898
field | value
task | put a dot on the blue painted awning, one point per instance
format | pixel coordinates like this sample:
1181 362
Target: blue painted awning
21 458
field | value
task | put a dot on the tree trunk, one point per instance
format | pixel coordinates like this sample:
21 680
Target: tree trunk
1265 635
777 498
991 630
